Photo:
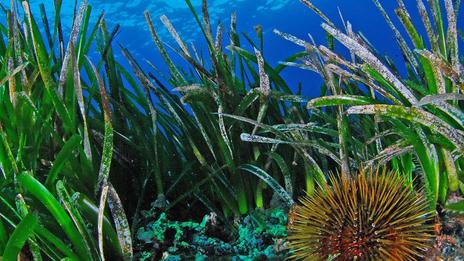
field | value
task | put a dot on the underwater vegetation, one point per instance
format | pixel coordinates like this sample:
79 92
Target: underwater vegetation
102 161
373 216
417 118
417 129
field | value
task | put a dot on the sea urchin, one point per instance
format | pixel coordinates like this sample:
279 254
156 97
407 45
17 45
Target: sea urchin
372 216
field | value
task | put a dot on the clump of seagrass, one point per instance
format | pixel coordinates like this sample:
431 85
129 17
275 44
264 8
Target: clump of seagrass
372 216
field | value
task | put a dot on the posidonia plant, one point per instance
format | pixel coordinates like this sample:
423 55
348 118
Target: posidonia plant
417 117
75 135
51 182
228 96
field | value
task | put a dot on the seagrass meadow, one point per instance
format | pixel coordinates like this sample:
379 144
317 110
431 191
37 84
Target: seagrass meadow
211 153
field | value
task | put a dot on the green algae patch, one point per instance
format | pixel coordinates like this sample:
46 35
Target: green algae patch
260 235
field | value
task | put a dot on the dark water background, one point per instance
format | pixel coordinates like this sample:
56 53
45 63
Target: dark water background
285 15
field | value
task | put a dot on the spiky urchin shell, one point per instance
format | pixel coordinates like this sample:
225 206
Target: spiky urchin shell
368 217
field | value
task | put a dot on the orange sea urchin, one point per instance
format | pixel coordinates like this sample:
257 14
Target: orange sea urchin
368 217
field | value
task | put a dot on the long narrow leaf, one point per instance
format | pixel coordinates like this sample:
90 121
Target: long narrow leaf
278 189
20 235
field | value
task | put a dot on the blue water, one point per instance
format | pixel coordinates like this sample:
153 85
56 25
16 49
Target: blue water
286 15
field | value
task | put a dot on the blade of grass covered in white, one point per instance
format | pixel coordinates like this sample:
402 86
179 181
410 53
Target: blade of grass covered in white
452 41
260 139
339 100
440 98
342 72
433 38
363 53
67 61
80 102
108 129
80 45
172 67
293 39
319 146
276 187
264 87
107 155
218 41
165 20
299 65
417 116
101 214
121 223
306 127
264 83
